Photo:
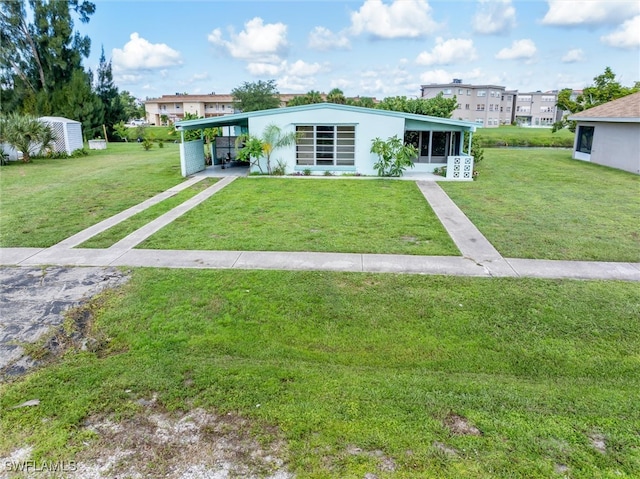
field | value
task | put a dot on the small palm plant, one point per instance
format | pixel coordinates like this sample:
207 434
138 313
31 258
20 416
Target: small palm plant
26 134
254 148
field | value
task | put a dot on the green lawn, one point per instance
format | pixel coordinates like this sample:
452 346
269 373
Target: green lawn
382 363
268 214
520 136
46 201
121 230
539 203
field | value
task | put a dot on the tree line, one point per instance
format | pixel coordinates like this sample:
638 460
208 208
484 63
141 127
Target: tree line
264 95
41 71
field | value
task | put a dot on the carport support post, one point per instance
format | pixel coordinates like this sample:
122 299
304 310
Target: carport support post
469 145
183 160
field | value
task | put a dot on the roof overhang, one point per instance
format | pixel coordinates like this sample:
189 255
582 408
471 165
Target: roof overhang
242 119
237 119
605 119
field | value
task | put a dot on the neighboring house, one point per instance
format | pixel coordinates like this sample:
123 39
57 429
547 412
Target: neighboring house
609 134
337 138
174 107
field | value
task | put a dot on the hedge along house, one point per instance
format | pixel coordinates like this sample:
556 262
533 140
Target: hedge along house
337 139
609 134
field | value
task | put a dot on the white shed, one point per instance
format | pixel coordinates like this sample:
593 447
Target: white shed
68 133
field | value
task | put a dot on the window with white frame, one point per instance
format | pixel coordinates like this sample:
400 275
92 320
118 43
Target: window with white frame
482 93
460 91
446 91
480 107
326 145
524 98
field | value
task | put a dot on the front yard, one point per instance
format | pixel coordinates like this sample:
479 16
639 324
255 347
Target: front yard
271 214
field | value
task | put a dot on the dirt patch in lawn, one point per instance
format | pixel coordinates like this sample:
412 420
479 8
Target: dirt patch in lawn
158 444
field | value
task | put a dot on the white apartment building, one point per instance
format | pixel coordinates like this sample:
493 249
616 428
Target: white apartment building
492 105
537 109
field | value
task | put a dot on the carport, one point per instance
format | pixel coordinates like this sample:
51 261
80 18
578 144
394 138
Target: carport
192 153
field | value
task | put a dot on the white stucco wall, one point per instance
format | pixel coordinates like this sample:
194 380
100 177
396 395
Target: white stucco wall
367 127
614 144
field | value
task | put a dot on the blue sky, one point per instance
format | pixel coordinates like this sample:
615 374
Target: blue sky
367 47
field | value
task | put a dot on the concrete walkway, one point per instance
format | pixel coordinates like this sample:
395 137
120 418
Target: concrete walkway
479 257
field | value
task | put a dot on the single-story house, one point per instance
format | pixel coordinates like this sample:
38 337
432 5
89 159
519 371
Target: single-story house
337 138
609 134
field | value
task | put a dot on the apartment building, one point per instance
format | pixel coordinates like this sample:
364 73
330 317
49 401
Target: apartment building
492 105
171 108
537 109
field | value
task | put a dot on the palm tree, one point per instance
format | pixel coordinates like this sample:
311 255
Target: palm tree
26 134
314 96
336 96
257 147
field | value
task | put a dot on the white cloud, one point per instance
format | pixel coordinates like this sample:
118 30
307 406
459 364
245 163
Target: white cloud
297 69
341 83
494 17
573 56
520 49
140 54
400 19
263 69
258 41
303 69
589 12
627 35
447 52
200 76
296 84
323 39
436 76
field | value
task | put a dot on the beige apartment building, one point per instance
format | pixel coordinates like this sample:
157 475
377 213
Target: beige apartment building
492 105
171 108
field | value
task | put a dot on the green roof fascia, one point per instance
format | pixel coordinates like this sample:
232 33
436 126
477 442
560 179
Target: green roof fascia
243 118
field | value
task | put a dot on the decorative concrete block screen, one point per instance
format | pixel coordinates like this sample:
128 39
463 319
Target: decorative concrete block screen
460 168
192 157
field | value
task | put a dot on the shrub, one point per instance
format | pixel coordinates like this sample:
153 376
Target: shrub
280 169
393 156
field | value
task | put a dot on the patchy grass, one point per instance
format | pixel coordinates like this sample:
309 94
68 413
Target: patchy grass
268 214
393 375
121 230
46 201
539 203
526 137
